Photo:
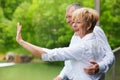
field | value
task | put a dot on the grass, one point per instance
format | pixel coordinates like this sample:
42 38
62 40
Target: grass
30 71
43 71
35 71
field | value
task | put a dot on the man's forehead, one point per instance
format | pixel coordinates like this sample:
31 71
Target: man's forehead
71 9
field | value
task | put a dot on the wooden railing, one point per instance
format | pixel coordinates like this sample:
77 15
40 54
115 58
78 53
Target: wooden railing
116 53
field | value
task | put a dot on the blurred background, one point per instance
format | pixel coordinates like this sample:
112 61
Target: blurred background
44 24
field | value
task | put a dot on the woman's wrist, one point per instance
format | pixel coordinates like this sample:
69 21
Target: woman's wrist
21 42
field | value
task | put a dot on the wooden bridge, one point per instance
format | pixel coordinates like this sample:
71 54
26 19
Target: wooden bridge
115 71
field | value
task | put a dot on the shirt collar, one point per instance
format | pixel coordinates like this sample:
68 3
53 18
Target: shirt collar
88 36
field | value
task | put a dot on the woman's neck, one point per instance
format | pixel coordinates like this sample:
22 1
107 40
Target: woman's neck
82 35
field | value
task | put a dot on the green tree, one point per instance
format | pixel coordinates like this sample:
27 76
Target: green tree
9 7
44 22
110 21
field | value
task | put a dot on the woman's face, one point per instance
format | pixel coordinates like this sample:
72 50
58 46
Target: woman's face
79 27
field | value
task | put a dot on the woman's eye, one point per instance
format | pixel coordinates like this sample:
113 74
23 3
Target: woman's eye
73 22
78 22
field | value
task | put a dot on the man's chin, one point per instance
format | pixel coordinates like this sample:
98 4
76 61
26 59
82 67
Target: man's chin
71 26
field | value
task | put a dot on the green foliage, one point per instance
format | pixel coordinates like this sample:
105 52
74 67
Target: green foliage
5 35
44 24
48 22
9 7
110 16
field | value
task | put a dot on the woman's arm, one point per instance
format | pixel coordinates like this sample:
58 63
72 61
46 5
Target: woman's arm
30 47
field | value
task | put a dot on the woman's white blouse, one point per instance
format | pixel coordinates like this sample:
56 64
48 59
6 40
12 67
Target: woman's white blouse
78 55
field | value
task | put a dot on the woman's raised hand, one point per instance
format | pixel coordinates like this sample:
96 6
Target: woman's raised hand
18 36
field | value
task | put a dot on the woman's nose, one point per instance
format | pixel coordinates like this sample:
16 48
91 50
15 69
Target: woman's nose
73 25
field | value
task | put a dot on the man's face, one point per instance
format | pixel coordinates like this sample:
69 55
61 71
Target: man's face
69 15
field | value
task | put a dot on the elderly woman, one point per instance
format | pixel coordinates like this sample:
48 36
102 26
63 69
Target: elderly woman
76 55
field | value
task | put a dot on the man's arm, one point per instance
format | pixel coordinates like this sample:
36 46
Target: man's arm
107 61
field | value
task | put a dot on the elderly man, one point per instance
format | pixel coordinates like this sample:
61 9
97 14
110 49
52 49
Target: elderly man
105 63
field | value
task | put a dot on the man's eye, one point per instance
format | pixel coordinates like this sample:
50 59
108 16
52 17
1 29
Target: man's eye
68 16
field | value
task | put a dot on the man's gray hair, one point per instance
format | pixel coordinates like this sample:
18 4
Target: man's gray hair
76 5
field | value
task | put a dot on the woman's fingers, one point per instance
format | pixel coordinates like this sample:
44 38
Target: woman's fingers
18 28
18 36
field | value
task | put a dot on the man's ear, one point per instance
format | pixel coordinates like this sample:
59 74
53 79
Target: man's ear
89 26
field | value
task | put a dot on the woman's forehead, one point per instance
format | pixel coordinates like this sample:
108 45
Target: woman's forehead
78 19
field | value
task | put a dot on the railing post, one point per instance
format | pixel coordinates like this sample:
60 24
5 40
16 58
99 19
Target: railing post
115 51
97 7
113 72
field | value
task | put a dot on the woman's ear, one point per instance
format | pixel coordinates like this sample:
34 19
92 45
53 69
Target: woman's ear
89 26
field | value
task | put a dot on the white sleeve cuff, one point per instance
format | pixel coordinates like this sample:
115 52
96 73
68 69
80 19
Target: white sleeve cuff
102 68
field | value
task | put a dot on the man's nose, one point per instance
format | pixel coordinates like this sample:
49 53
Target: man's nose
68 20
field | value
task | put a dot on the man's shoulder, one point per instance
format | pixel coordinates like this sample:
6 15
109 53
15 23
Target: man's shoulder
97 28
